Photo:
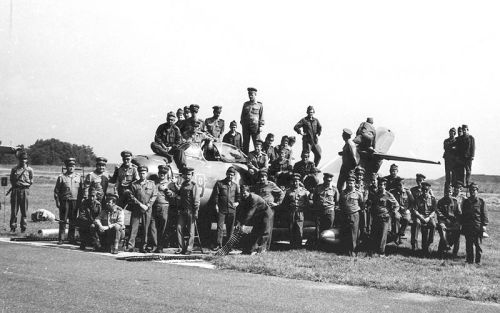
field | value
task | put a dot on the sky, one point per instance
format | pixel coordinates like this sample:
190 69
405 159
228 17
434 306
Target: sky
106 73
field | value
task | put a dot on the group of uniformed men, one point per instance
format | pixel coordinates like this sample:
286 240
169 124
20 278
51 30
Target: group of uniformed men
382 207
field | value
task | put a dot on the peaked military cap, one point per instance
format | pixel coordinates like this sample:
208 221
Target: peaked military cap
359 170
453 129
270 135
258 142
251 89
394 166
169 114
296 176
328 175
125 153
187 170
382 180
163 168
426 184
351 178
369 120
347 131
473 186
464 126
231 170
233 123
304 153
142 168
217 108
421 176
70 161
101 160
194 108
111 196
263 172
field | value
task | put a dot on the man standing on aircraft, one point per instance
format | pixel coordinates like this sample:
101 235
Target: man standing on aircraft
268 148
167 141
215 125
142 196
425 216
366 135
296 201
449 157
350 158
225 198
448 216
310 129
382 204
466 148
21 179
257 160
252 119
459 169
233 137
325 202
351 202
254 211
474 222
124 176
189 205
68 185
109 225
97 181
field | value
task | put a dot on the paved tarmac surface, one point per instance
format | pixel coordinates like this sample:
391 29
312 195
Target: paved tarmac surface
54 279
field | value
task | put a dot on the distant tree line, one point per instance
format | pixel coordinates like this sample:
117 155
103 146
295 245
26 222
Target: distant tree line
54 152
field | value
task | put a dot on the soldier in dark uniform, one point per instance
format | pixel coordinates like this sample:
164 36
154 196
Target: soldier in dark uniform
310 129
257 159
351 202
474 222
425 216
296 201
159 220
66 191
392 178
21 179
109 226
142 196
416 191
189 123
406 203
97 181
325 202
88 212
215 125
366 135
123 176
233 137
382 204
279 170
466 148
225 198
268 148
448 216
254 211
189 205
350 158
252 119
449 157
304 167
167 140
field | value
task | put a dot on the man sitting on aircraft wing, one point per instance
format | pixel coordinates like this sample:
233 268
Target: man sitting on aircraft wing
167 139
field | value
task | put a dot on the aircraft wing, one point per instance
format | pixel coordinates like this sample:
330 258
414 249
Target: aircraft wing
390 157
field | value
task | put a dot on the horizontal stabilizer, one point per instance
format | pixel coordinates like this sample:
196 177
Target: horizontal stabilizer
402 159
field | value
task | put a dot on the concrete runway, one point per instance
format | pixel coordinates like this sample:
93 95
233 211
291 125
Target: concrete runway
57 279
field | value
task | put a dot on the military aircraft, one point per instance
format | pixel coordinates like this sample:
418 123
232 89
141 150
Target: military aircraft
210 164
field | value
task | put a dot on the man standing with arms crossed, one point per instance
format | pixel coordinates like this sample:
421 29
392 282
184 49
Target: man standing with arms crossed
252 119
449 157
21 178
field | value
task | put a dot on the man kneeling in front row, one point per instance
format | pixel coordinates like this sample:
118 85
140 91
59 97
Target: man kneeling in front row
110 226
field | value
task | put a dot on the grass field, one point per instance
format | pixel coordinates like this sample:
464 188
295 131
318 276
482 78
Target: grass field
401 270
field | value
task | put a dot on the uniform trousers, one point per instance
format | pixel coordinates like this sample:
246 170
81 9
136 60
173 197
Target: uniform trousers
136 218
68 213
296 228
308 146
472 237
159 222
109 238
18 200
427 231
224 218
351 223
380 227
185 219
247 133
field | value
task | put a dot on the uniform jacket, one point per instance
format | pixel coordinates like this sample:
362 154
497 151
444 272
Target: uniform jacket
110 218
466 147
350 155
311 128
382 204
162 187
474 214
270 192
425 206
189 200
225 194
296 200
96 182
215 127
170 136
257 161
252 208
325 198
145 191
304 168
235 140
252 115
123 177
449 148
279 166
288 151
391 182
21 177
89 211
351 201
68 186
448 211
188 124
404 198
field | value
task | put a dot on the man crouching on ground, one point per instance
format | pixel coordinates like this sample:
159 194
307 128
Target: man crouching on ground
110 226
